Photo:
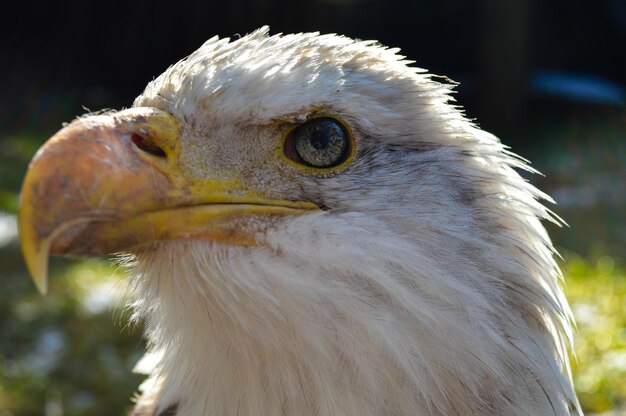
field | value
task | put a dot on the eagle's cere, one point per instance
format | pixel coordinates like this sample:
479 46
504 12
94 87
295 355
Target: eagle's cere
312 229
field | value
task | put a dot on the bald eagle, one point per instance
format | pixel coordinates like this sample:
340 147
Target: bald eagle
312 228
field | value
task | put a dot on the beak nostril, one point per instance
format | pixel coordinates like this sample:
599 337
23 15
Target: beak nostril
147 146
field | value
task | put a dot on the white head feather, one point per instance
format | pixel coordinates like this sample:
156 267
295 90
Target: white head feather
427 287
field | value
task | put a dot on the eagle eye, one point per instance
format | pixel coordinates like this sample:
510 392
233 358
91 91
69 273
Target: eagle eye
319 143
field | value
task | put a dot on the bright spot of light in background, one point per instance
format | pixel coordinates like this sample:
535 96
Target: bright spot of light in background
99 290
103 296
8 228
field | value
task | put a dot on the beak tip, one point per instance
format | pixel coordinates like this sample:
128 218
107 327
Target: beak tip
39 273
42 285
36 259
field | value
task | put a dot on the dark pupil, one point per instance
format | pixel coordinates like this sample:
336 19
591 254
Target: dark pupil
319 139
320 143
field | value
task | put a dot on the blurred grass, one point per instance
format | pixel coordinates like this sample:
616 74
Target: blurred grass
597 295
71 353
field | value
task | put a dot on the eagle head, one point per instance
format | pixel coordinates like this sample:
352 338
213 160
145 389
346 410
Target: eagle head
312 228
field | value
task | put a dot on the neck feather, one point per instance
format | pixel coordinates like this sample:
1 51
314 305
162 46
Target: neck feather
356 321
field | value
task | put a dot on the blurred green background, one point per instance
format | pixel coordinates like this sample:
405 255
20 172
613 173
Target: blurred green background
547 77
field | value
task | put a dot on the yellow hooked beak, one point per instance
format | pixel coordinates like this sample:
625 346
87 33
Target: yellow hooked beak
109 183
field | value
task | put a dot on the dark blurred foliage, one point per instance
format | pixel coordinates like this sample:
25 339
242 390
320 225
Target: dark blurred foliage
102 54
